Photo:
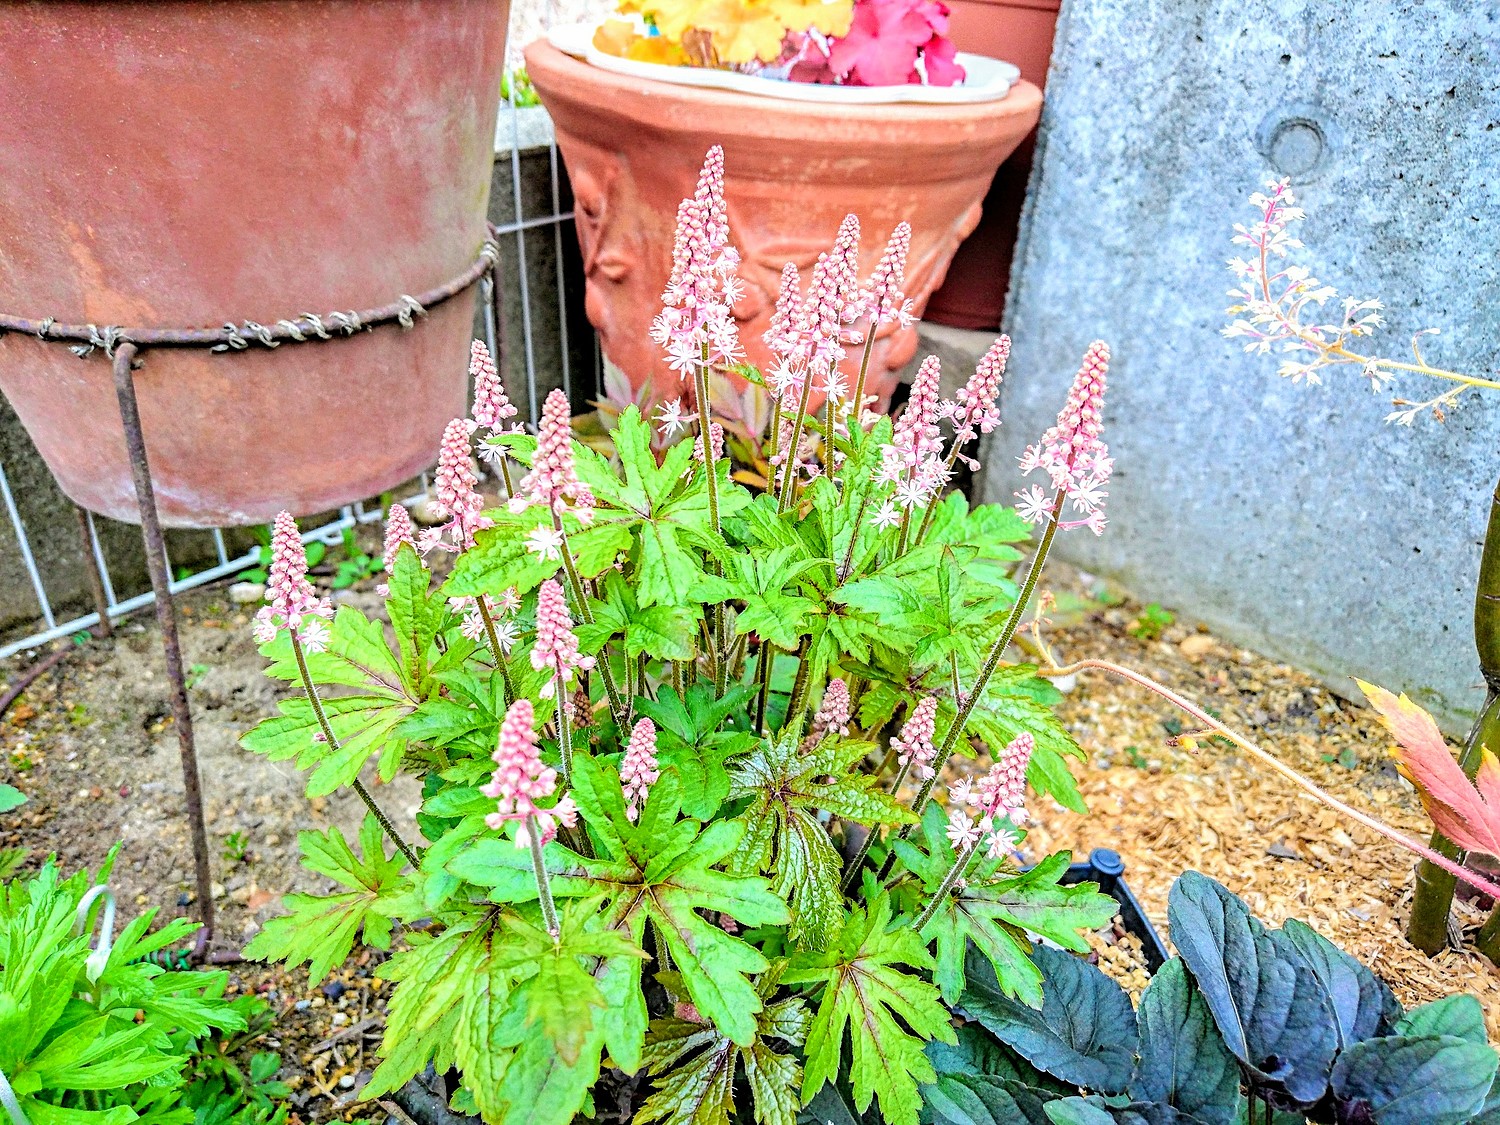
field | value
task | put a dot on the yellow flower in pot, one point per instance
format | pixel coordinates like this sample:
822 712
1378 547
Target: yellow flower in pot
719 33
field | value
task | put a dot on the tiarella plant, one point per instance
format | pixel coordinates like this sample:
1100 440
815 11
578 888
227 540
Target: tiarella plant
679 740
1246 1024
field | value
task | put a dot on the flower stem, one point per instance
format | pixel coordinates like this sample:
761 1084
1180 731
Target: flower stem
510 488
494 639
859 382
539 869
828 435
333 745
764 663
564 734
799 687
704 426
790 457
616 704
857 863
859 518
945 888
991 661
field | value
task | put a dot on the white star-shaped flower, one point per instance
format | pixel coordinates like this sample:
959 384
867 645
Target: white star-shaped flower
545 542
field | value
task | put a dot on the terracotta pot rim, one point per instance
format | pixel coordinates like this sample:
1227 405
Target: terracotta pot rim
1030 5
735 114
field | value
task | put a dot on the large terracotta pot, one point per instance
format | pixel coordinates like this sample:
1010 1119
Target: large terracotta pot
1020 32
633 148
181 164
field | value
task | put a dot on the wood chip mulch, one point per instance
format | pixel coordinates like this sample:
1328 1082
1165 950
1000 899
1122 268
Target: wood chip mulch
1167 808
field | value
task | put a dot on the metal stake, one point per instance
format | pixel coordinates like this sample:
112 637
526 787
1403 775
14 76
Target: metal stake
166 619
91 569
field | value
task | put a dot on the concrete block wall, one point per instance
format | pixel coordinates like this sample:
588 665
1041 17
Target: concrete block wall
1290 518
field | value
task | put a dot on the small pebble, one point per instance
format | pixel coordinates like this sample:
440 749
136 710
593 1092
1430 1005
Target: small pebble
346 1082
302 1005
333 990
247 593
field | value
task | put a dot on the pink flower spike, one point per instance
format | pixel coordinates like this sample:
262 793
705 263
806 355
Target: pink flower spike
703 285
715 439
291 601
492 408
398 530
638 770
913 745
556 645
552 481
975 405
912 458
887 301
835 711
785 330
1002 791
453 488
520 780
1071 452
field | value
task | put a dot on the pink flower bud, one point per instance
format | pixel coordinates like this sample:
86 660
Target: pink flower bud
556 645
291 601
492 407
913 746
553 481
520 779
638 770
1071 453
454 493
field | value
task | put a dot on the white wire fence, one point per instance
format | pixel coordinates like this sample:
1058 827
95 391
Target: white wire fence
541 339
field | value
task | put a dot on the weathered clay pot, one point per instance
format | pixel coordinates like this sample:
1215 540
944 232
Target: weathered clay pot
182 164
792 171
1020 32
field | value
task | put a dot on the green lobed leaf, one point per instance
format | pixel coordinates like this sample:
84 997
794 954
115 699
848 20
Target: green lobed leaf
865 994
994 910
321 929
786 788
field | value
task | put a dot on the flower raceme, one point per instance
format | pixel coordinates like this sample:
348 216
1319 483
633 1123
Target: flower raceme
291 601
914 747
454 493
398 530
833 713
1071 453
697 322
556 646
638 769
553 482
912 462
520 780
492 407
975 809
1271 303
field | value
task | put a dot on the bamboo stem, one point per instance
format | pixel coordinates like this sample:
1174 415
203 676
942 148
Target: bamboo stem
1427 928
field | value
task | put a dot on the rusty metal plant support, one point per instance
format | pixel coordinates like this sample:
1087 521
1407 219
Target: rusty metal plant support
125 347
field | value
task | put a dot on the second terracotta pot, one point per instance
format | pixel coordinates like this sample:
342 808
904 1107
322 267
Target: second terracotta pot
1020 32
792 171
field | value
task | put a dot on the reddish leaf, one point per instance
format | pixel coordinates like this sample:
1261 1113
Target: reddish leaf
1467 812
